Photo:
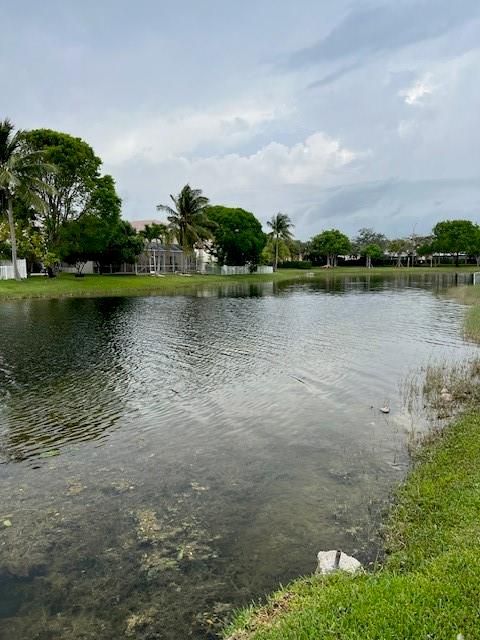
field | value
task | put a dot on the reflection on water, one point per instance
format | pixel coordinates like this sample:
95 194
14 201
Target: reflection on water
166 459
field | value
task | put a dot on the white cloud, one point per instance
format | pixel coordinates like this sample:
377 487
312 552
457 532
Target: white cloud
182 133
413 95
303 163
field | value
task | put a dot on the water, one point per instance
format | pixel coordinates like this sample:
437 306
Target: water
167 459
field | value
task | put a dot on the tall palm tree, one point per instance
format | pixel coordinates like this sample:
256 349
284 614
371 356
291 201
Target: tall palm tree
281 226
21 172
188 218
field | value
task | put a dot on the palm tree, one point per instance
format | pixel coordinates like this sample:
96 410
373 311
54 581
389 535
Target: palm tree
188 220
157 231
281 226
21 172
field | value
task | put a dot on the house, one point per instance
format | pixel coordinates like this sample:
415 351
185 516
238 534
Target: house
162 257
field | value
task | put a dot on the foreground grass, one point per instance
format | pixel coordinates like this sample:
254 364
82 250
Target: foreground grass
66 285
470 295
429 586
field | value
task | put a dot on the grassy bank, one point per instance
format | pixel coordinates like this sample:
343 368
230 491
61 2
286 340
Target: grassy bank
66 285
471 296
428 587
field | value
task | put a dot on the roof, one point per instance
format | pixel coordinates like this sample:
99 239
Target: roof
158 246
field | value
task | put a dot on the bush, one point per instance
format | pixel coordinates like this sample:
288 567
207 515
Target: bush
295 264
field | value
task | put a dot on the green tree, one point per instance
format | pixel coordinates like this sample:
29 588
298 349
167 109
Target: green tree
30 244
454 236
70 190
22 176
474 246
103 240
371 252
104 201
297 249
398 247
281 227
272 249
188 218
124 246
238 236
367 237
329 245
157 231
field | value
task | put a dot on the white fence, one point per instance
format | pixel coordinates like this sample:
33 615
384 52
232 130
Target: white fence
476 277
243 270
7 271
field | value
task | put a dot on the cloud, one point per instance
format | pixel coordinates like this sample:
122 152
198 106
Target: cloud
274 176
391 205
413 95
303 163
369 30
334 76
181 133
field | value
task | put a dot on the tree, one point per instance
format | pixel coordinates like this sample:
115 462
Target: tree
29 241
398 247
454 236
103 240
238 236
297 249
104 200
330 244
281 227
370 252
70 190
22 175
272 249
157 231
367 237
188 220
474 245
124 245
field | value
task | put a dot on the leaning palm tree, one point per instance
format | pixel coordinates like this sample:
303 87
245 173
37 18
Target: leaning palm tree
21 173
188 218
281 226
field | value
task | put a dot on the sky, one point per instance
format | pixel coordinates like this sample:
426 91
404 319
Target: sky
343 114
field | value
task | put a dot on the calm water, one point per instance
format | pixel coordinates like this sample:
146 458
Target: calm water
166 459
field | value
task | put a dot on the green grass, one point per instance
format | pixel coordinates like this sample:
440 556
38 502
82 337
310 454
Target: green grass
470 295
67 285
429 587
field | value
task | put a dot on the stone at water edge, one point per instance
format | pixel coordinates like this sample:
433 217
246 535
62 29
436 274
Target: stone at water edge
334 560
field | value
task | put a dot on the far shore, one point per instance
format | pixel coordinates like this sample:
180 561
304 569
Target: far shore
67 286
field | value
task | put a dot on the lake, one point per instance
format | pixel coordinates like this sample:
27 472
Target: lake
166 459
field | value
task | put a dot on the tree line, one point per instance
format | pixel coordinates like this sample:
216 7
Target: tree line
55 205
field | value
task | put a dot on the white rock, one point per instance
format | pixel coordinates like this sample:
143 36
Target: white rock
329 561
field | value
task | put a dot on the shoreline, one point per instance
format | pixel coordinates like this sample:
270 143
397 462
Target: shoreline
91 286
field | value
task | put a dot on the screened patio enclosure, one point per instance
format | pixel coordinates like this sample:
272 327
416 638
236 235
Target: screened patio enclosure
165 258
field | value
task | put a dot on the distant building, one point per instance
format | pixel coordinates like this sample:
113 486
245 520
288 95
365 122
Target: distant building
139 225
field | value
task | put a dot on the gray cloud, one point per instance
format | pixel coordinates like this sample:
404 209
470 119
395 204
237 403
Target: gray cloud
392 205
372 29
183 91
